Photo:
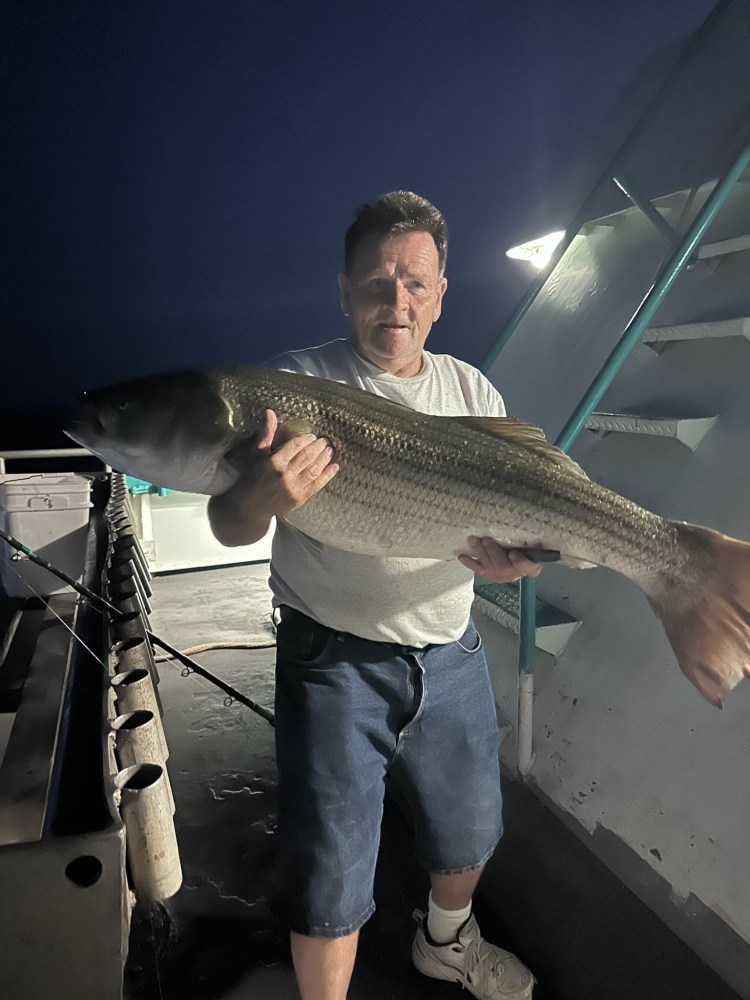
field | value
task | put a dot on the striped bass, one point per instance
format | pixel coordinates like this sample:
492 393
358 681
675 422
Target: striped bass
412 484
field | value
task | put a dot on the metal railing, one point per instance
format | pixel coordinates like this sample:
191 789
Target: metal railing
630 338
26 453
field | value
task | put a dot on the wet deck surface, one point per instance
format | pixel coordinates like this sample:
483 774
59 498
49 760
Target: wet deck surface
544 896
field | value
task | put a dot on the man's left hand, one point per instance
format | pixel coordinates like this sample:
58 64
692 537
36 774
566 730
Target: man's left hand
496 563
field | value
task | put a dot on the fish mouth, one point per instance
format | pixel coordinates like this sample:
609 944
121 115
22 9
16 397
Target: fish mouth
75 429
83 428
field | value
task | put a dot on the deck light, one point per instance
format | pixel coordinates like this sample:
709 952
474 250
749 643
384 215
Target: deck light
538 251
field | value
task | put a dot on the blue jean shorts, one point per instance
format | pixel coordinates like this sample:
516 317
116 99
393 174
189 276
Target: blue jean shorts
350 711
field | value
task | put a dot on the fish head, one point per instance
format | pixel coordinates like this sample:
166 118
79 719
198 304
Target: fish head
171 430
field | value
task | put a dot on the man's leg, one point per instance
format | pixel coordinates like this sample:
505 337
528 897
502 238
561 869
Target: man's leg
324 965
450 765
338 703
450 904
458 953
454 892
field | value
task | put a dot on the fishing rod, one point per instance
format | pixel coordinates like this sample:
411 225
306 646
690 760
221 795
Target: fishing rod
102 605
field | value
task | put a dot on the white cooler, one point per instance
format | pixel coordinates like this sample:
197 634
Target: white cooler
49 514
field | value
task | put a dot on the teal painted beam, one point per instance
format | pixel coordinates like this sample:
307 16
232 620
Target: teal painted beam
645 206
653 299
604 378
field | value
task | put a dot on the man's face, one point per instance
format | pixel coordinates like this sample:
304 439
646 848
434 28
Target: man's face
392 296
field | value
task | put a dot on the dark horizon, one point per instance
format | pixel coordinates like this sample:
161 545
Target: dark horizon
178 180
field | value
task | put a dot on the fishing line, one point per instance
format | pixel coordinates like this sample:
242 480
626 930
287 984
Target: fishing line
102 605
156 954
61 620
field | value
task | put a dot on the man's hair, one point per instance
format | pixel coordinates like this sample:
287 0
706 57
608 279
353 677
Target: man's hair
392 214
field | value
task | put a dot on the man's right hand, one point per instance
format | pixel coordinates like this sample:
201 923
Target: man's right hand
272 483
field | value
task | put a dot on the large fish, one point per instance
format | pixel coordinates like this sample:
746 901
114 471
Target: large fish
411 484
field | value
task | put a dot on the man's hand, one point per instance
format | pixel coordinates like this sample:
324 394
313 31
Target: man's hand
283 480
496 563
271 483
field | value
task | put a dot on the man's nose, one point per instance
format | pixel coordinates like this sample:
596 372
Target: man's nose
396 295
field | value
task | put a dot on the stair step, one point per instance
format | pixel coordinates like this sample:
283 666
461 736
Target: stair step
501 602
657 337
689 431
723 247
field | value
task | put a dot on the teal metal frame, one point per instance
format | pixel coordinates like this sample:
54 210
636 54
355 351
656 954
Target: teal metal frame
604 378
645 206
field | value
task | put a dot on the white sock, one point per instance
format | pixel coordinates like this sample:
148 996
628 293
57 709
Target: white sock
443 925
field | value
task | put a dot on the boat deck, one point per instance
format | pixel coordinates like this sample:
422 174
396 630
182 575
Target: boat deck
544 896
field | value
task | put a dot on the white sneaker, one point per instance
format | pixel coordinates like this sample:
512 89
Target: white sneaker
486 971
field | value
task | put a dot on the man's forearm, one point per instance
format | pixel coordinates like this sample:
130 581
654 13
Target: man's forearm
234 521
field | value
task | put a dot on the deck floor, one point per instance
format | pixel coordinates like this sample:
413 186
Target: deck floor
583 933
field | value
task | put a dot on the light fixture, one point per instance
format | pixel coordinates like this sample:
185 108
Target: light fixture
538 251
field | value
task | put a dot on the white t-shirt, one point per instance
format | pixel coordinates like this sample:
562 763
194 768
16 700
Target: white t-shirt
410 601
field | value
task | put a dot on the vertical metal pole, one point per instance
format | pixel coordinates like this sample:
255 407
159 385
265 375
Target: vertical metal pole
526 663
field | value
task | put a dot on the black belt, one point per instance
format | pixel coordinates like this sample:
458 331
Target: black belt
285 613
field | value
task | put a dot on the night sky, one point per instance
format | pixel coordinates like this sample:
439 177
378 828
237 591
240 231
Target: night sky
178 176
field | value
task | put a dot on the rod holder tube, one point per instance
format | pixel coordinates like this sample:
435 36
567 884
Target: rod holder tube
122 570
137 742
151 842
129 543
123 590
131 624
136 652
121 525
124 559
135 692
128 601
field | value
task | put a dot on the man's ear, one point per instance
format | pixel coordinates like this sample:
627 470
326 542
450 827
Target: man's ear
345 294
442 285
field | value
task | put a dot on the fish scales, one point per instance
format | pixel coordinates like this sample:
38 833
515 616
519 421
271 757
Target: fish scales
452 481
411 484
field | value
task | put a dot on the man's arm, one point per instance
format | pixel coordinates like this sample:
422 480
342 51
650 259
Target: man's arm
275 483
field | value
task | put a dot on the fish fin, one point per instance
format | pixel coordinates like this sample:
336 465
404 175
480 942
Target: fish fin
289 429
575 563
711 634
523 435
242 454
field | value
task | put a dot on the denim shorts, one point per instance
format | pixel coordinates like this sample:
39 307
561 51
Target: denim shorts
350 712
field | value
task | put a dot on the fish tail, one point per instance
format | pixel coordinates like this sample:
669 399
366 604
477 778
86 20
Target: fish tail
709 624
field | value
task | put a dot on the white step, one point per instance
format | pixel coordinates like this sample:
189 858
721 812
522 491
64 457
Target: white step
688 431
658 336
723 247
500 602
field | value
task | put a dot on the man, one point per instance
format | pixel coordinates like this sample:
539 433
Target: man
380 670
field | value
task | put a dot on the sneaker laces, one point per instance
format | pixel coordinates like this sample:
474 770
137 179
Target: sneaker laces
482 964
